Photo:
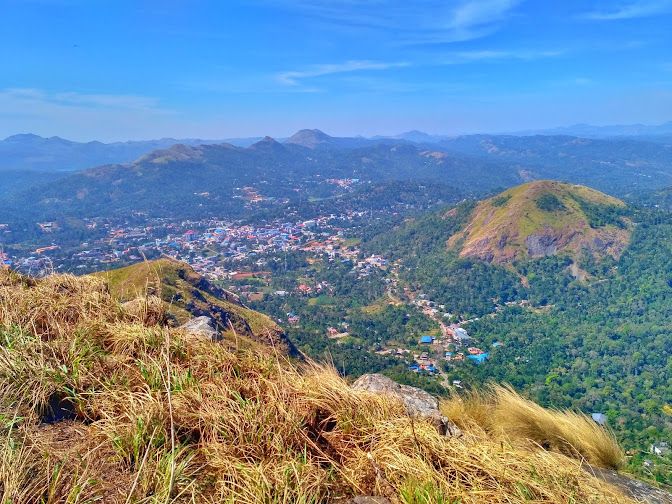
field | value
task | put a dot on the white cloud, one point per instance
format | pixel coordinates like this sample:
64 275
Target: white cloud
74 99
295 78
633 9
411 22
478 13
486 55
108 101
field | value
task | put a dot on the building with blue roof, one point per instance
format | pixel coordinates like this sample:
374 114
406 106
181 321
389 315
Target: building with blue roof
479 358
426 340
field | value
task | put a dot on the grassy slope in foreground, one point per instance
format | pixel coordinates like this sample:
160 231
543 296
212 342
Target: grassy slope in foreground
97 402
542 218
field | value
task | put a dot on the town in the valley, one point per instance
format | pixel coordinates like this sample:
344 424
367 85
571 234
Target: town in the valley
255 260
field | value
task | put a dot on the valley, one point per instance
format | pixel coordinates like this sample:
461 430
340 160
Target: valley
413 280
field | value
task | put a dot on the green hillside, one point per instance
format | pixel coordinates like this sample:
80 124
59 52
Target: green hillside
544 218
573 329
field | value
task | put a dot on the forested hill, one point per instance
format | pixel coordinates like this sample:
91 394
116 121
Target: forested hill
616 165
186 181
544 218
583 331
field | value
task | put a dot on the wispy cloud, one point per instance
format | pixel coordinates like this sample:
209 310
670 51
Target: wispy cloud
571 82
296 78
473 14
300 79
71 98
419 21
632 9
493 55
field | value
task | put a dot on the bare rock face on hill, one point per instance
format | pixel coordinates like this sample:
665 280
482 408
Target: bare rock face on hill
544 218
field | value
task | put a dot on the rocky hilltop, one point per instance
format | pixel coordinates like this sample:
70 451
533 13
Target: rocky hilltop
186 294
544 218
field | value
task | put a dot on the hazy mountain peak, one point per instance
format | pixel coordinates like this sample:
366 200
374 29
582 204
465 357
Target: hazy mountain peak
23 137
266 143
309 138
178 152
417 136
607 131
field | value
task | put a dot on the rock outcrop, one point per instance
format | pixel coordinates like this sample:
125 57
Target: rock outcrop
202 326
187 295
418 403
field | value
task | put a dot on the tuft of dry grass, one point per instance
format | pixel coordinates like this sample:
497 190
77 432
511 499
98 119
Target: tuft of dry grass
504 413
100 404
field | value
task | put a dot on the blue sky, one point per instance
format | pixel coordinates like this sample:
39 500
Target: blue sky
113 70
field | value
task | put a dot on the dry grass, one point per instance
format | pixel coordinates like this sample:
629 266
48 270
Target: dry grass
503 413
102 405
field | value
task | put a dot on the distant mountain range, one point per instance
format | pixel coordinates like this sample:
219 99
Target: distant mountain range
204 180
193 178
35 153
622 130
29 152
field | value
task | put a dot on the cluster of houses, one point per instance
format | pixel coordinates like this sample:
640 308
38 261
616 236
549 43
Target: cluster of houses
454 345
430 308
195 241
318 288
336 333
251 195
453 337
47 227
343 182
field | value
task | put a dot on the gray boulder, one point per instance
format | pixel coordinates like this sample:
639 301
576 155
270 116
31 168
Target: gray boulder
203 327
418 403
